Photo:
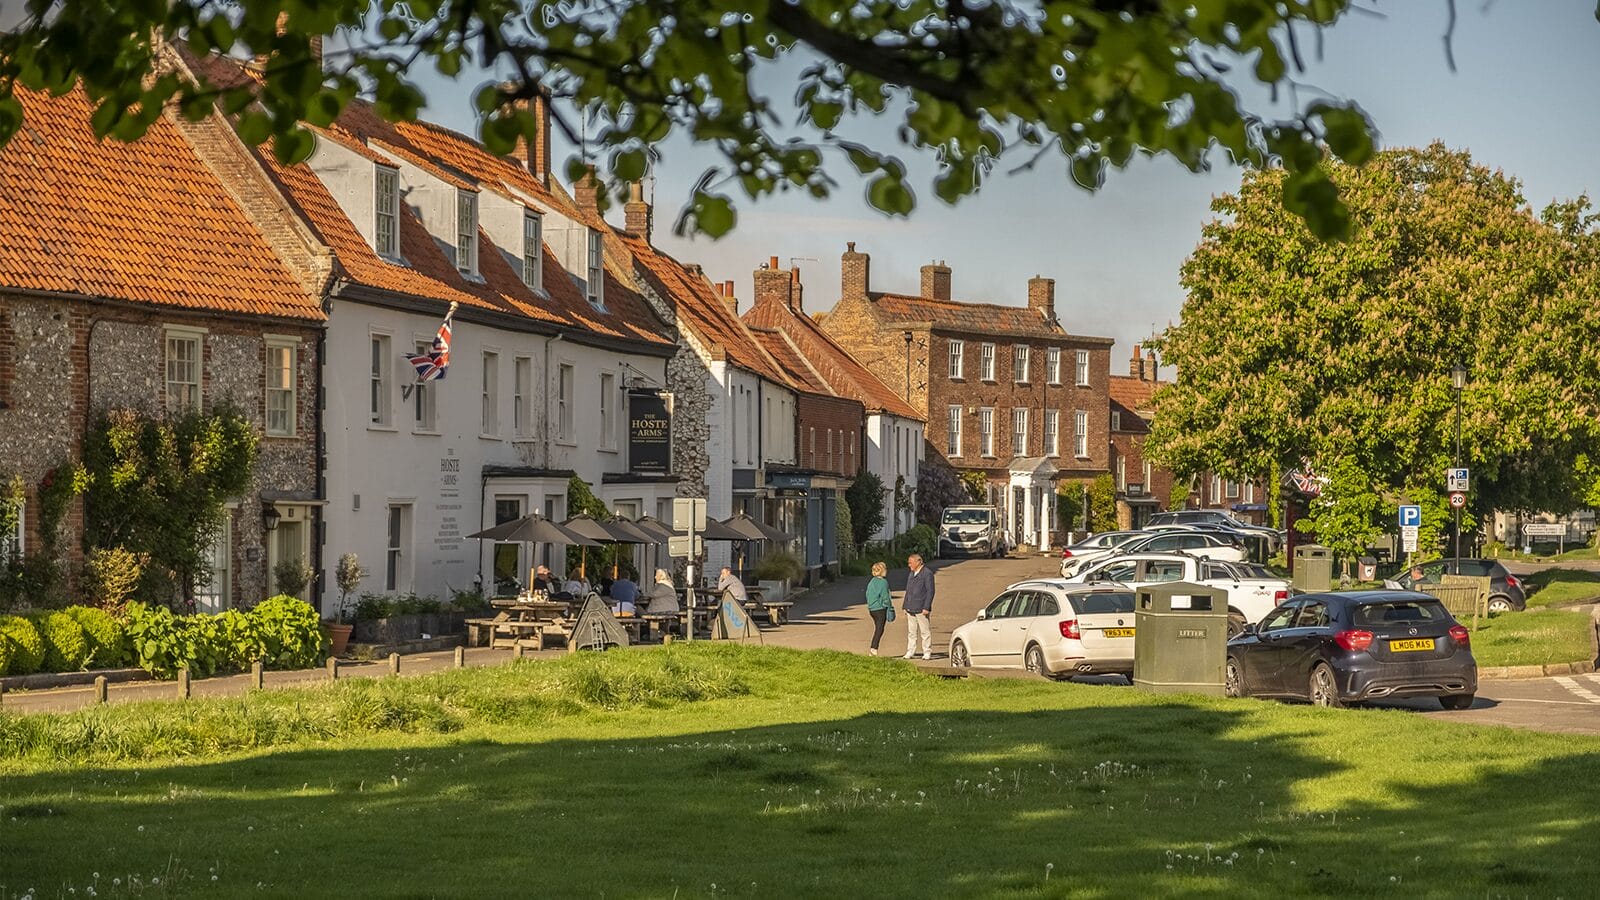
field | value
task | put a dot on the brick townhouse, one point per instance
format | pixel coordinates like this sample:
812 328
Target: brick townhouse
1007 391
143 276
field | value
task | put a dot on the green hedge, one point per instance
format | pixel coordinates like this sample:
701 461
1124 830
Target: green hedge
283 632
27 645
103 634
66 647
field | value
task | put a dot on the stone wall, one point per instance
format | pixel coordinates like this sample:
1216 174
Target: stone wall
40 419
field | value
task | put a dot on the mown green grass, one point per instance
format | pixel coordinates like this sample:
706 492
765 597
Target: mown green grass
1533 638
1562 587
716 770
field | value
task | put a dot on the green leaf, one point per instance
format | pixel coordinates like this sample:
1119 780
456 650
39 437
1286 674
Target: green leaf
890 194
293 146
1348 133
713 214
629 165
254 127
826 114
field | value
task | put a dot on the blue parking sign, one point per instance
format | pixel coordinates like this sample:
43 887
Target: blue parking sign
1410 515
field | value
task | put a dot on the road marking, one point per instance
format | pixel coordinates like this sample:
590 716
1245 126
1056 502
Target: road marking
1537 700
1578 689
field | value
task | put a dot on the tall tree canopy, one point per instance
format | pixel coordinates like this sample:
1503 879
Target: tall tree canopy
1093 81
1292 349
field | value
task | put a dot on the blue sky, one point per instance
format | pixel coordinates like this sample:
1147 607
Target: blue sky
1521 99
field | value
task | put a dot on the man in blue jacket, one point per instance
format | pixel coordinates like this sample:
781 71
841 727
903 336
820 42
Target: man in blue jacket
918 605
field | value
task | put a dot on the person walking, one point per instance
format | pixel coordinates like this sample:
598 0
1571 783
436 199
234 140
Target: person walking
918 605
879 606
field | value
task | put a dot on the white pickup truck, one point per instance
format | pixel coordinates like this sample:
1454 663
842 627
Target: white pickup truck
1251 595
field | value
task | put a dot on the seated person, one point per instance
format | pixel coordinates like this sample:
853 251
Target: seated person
730 586
543 580
663 596
604 587
623 594
575 587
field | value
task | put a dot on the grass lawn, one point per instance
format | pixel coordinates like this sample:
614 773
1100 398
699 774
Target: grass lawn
717 770
1533 638
1562 587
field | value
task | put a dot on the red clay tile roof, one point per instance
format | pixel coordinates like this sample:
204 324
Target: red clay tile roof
792 361
840 370
979 318
1134 393
146 221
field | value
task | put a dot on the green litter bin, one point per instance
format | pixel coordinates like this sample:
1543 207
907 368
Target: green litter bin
1180 641
1313 568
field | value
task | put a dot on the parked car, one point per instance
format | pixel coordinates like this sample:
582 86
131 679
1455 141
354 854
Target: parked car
1250 595
1506 593
1257 543
1333 649
1092 548
1275 538
1051 627
971 531
1211 546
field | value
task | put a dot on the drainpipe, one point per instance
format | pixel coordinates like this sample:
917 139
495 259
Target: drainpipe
320 450
545 462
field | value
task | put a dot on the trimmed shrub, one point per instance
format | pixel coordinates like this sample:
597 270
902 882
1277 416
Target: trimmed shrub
8 652
779 565
66 648
29 655
103 634
920 539
290 632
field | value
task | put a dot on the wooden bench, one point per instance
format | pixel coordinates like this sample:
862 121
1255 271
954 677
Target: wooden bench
777 611
480 632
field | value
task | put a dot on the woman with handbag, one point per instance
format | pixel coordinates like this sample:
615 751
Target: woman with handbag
879 605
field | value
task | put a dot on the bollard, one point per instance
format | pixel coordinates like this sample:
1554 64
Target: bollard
2 693
183 683
517 650
394 664
257 675
666 638
100 688
461 657
333 668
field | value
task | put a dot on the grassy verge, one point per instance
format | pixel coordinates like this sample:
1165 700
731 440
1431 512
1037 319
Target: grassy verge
1562 587
729 771
1533 638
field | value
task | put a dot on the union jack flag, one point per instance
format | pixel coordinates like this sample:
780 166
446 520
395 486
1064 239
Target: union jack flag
1305 480
432 366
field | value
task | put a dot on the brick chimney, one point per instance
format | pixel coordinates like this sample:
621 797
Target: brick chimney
535 157
725 288
855 274
774 285
1150 365
936 281
1042 296
636 212
1136 364
313 43
586 193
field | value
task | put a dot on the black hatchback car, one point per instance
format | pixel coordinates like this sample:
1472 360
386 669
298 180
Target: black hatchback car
1333 649
1506 593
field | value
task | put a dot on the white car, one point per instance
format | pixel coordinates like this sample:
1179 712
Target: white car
1200 543
1051 627
1092 548
1251 597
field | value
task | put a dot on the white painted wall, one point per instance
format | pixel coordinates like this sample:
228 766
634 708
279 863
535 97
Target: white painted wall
894 448
351 179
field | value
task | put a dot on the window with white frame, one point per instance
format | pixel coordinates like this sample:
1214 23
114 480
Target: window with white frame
281 354
213 590
424 404
1081 357
1080 434
1231 490
1116 420
596 273
491 393
378 396
811 441
1019 431
828 439
957 357
986 362
1249 489
1122 472
608 411
467 232
1052 365
386 212
566 379
1147 476
1019 363
1052 424
953 438
397 537
183 368
11 543
1216 488
986 431
532 250
522 396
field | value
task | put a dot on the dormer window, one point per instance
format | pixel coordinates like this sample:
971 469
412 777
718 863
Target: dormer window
467 232
532 249
386 207
596 287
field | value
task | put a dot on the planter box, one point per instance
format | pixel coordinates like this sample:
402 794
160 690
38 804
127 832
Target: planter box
774 590
399 629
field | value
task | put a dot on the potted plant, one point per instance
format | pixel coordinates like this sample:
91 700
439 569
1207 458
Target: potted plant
348 576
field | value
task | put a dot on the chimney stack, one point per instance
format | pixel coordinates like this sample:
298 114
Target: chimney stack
774 285
1150 366
936 281
534 157
636 212
1136 364
855 274
586 192
1042 296
725 290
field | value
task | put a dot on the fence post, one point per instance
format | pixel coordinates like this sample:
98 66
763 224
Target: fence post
100 689
258 678
461 657
394 664
333 668
183 683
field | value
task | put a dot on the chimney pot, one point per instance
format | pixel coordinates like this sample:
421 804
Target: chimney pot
772 262
636 212
1136 364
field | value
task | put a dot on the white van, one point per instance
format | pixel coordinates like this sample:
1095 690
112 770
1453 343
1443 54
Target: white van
970 531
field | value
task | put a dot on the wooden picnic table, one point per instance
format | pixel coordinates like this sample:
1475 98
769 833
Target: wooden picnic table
519 620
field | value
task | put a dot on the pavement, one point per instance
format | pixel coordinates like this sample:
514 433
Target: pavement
834 616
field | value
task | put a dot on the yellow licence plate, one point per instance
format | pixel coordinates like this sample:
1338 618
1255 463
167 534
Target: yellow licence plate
1118 632
1418 644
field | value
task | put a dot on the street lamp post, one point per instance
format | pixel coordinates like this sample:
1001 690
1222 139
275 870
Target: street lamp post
1458 380
907 336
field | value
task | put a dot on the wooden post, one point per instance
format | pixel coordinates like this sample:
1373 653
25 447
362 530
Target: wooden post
257 674
100 688
333 668
394 664
461 657
183 683
517 649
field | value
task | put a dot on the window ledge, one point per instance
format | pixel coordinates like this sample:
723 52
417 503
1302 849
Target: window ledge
376 427
280 437
611 449
427 431
565 442
489 437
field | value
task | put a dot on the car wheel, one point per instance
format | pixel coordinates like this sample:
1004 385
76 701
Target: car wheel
1323 689
1236 623
1499 605
1457 701
1233 679
1033 660
958 655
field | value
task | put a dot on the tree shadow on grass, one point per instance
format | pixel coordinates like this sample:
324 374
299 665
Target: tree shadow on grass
1211 799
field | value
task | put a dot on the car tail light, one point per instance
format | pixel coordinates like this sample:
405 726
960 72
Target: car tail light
1069 629
1461 636
1279 596
1065 553
1353 640
1512 580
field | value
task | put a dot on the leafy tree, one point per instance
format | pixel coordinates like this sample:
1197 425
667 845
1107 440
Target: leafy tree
937 487
1093 81
1103 504
1295 351
865 500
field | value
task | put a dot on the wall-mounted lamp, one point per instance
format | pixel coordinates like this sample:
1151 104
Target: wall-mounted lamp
269 517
